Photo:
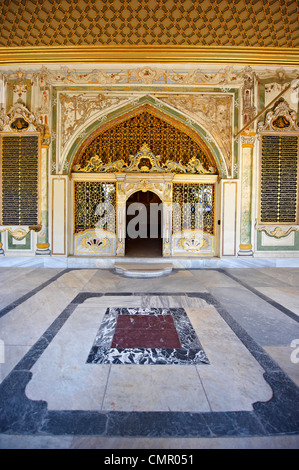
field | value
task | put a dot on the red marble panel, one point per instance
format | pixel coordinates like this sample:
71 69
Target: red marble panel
145 331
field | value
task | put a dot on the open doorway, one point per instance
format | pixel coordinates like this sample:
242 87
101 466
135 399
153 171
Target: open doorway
144 225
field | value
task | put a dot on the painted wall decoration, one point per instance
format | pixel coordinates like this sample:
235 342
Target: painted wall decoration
153 128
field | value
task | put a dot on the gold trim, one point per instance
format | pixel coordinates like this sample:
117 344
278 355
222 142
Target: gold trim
146 54
91 253
247 246
96 165
188 252
278 231
42 246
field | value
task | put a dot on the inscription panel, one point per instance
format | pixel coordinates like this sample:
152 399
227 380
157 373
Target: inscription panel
20 180
279 179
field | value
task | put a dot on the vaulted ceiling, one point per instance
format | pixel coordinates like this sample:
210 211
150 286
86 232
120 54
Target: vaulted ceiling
223 25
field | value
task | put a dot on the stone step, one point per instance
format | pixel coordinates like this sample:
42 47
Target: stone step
143 270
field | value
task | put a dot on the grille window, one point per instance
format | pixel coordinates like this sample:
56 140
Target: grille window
279 179
20 180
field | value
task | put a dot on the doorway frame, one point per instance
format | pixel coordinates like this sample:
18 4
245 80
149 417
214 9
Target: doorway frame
149 220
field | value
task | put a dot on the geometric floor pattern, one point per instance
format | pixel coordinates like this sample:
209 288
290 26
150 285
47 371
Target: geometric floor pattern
75 369
146 336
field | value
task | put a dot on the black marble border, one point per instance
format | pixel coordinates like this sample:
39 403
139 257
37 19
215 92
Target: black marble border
19 415
29 294
191 351
270 301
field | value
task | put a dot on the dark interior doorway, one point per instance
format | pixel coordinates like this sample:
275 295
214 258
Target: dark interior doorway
144 225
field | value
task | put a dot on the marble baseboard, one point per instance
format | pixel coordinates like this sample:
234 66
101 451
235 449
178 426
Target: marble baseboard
177 262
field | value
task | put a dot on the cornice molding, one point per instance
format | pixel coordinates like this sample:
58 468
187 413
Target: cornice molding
150 54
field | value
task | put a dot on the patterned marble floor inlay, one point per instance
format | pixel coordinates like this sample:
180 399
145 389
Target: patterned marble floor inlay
146 336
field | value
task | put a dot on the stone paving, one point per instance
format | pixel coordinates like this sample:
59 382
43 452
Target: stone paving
245 395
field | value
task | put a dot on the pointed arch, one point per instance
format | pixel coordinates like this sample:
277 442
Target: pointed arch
159 111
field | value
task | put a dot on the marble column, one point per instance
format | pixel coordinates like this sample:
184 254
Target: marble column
42 245
245 247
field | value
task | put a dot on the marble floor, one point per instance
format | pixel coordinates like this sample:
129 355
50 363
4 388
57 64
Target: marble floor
202 358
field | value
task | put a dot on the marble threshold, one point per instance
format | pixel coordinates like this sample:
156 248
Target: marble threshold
94 262
144 270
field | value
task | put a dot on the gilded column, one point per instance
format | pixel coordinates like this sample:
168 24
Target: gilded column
167 216
120 215
42 245
245 247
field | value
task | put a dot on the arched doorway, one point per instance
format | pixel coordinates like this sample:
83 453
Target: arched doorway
145 155
144 215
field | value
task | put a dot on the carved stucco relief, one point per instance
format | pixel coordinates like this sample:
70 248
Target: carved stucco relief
76 109
214 112
142 75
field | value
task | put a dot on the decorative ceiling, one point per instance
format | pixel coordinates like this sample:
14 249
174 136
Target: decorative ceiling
265 24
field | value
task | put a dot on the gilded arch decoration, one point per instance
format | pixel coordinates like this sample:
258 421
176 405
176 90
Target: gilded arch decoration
145 135
173 118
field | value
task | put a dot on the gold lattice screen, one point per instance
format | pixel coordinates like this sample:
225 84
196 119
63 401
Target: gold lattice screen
88 196
190 197
163 138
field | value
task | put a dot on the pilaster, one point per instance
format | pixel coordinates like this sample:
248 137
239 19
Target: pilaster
245 247
42 245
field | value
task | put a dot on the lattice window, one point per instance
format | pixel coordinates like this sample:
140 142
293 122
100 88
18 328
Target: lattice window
279 179
127 137
190 198
20 180
88 196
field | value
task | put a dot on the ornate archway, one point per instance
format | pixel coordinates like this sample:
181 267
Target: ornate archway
143 151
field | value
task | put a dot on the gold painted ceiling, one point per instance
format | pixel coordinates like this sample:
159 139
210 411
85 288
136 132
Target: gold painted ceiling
207 24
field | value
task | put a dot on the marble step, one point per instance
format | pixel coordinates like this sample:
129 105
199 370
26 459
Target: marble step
143 269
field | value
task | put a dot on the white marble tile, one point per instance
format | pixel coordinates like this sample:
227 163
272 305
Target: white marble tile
212 279
113 301
12 355
284 295
76 278
154 388
61 375
234 379
289 276
282 355
27 322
